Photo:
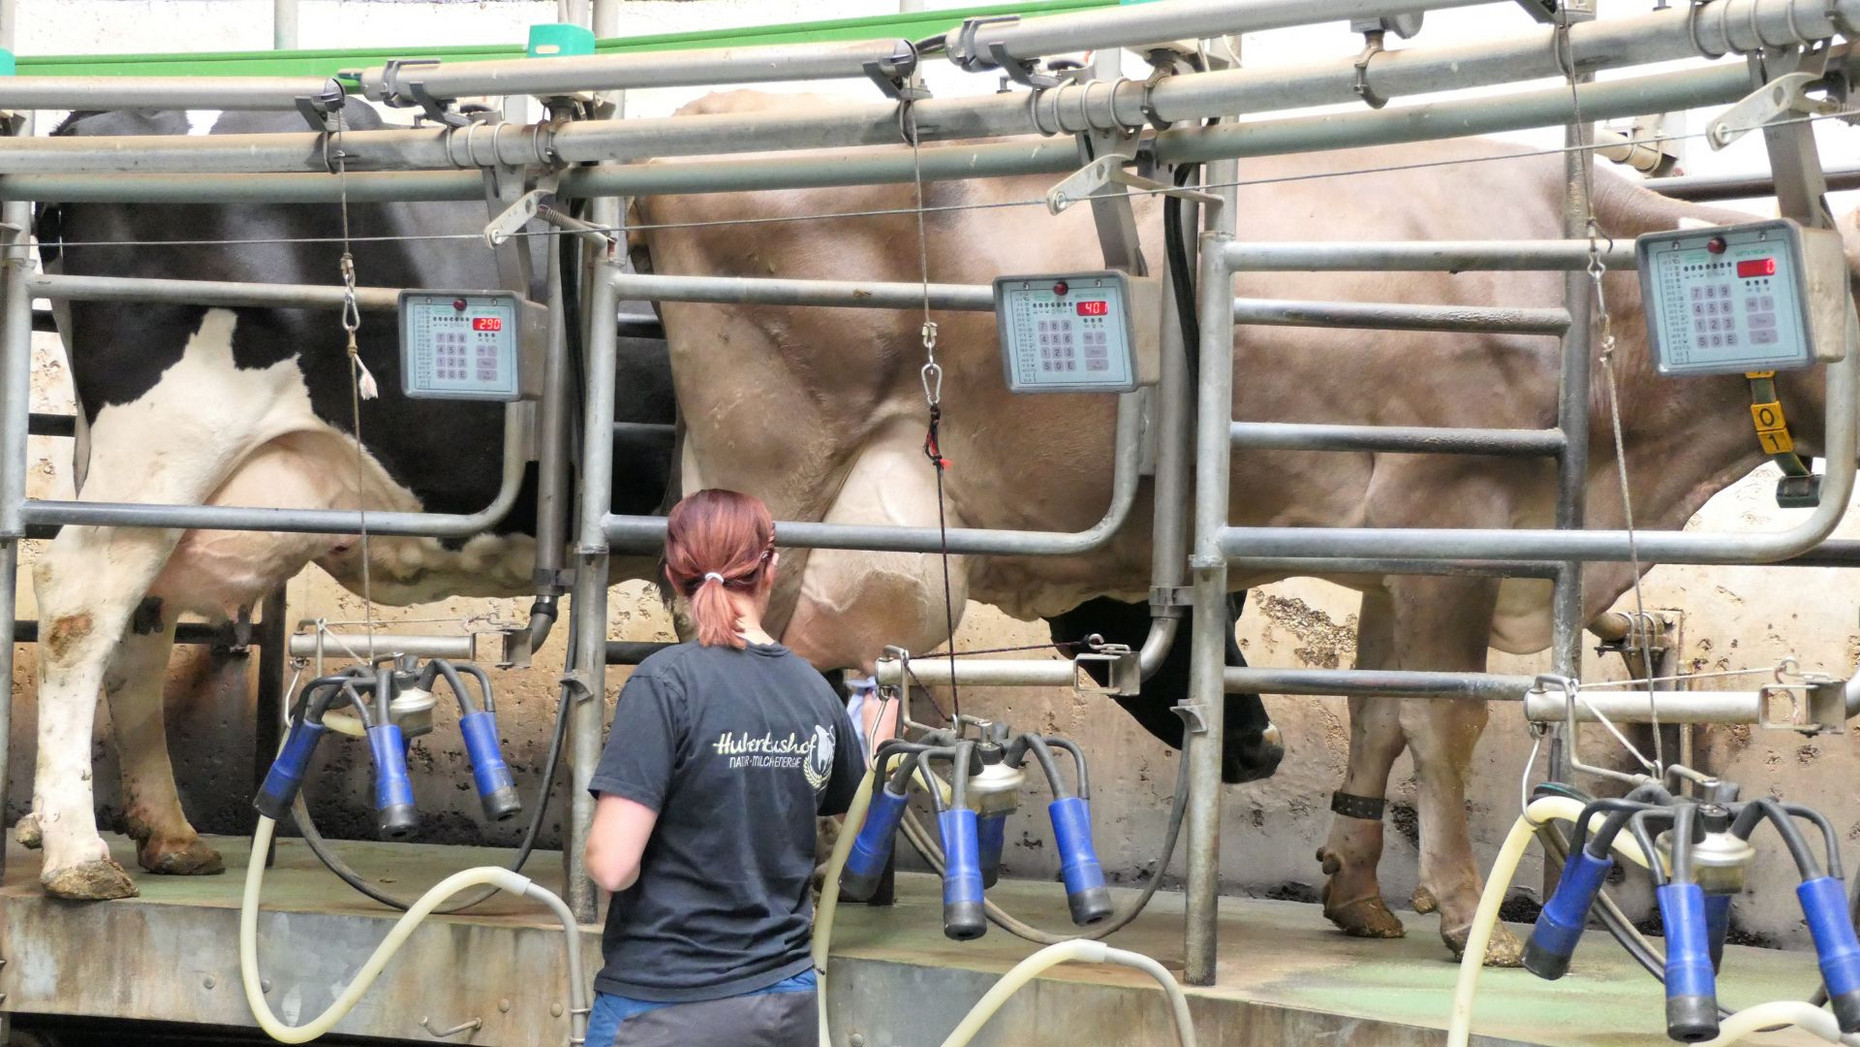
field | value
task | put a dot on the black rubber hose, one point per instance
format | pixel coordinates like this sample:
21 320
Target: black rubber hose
1078 762
1832 847
1786 828
1181 275
319 846
1637 824
1044 754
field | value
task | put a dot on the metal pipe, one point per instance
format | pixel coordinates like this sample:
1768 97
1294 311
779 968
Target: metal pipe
1489 687
553 503
643 533
1116 27
1333 566
336 645
1704 188
1394 316
284 25
1397 439
230 294
1432 256
1210 631
1712 707
589 600
26 630
640 139
15 407
250 93
1169 487
1572 411
980 672
52 512
978 298
618 72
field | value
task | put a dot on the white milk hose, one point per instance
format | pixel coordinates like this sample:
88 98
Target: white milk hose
1075 951
498 877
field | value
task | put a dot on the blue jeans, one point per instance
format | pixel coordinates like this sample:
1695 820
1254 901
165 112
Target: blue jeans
610 1012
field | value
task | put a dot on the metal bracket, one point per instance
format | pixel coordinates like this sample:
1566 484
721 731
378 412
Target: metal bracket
966 55
1372 46
1798 492
471 1026
1123 674
404 94
515 217
1107 171
898 75
1815 707
320 111
1780 97
1193 720
1171 601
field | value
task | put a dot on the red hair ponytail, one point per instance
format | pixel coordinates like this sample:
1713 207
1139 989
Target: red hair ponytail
717 542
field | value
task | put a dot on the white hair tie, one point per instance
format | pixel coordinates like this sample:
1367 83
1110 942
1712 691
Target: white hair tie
708 575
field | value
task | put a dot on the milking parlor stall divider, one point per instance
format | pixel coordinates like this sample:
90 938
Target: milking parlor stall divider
557 165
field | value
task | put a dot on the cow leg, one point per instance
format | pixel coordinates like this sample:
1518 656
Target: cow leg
1352 896
152 812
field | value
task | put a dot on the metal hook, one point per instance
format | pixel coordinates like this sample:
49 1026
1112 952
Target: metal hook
471 1026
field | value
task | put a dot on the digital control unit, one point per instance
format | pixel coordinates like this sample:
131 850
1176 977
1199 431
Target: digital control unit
1741 298
466 345
1068 333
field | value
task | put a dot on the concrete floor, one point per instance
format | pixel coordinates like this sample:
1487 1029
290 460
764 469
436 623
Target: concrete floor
1285 976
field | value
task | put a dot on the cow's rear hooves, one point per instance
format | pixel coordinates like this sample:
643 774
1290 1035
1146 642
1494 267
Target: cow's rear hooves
93 881
27 832
195 859
1365 918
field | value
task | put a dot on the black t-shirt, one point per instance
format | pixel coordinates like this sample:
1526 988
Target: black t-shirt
738 751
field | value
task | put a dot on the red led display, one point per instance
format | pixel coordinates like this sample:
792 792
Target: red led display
1756 267
487 323
1093 308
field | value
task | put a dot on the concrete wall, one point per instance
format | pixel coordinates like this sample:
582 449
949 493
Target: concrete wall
1734 618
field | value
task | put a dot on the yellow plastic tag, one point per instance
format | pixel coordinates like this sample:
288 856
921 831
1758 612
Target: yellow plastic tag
1775 441
1768 416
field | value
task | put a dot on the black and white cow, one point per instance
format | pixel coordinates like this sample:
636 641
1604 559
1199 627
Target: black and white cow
251 407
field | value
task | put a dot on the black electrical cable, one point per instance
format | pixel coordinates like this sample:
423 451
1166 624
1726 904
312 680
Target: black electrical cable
319 845
1182 276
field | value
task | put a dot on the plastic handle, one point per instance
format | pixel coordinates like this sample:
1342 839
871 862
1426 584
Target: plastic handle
1824 902
963 916
395 816
1691 986
286 775
1559 925
1086 894
497 790
871 849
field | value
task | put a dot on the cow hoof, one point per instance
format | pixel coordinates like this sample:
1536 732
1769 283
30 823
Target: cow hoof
1423 901
1504 950
195 859
94 881
27 832
1365 918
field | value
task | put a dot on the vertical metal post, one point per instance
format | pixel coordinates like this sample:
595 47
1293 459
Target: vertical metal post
284 25
1572 411
273 640
589 606
15 404
1214 413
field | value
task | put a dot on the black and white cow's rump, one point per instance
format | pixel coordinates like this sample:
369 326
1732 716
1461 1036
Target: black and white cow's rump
252 407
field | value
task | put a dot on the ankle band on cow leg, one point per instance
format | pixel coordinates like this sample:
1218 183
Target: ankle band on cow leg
1368 808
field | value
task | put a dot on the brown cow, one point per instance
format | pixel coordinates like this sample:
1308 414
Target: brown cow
820 413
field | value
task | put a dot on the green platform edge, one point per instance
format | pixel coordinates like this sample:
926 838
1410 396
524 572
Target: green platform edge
913 26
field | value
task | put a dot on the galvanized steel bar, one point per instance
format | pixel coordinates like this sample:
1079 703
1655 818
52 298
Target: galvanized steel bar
1491 687
1711 707
279 93
1210 631
700 67
1337 566
1169 486
847 293
15 404
1435 256
1395 316
980 672
53 512
338 645
644 533
1741 187
223 293
1181 20
1397 439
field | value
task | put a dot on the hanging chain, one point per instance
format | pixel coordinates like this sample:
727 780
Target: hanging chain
932 377
361 383
1598 268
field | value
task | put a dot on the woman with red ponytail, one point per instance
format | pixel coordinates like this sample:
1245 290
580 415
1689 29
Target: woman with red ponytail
722 754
